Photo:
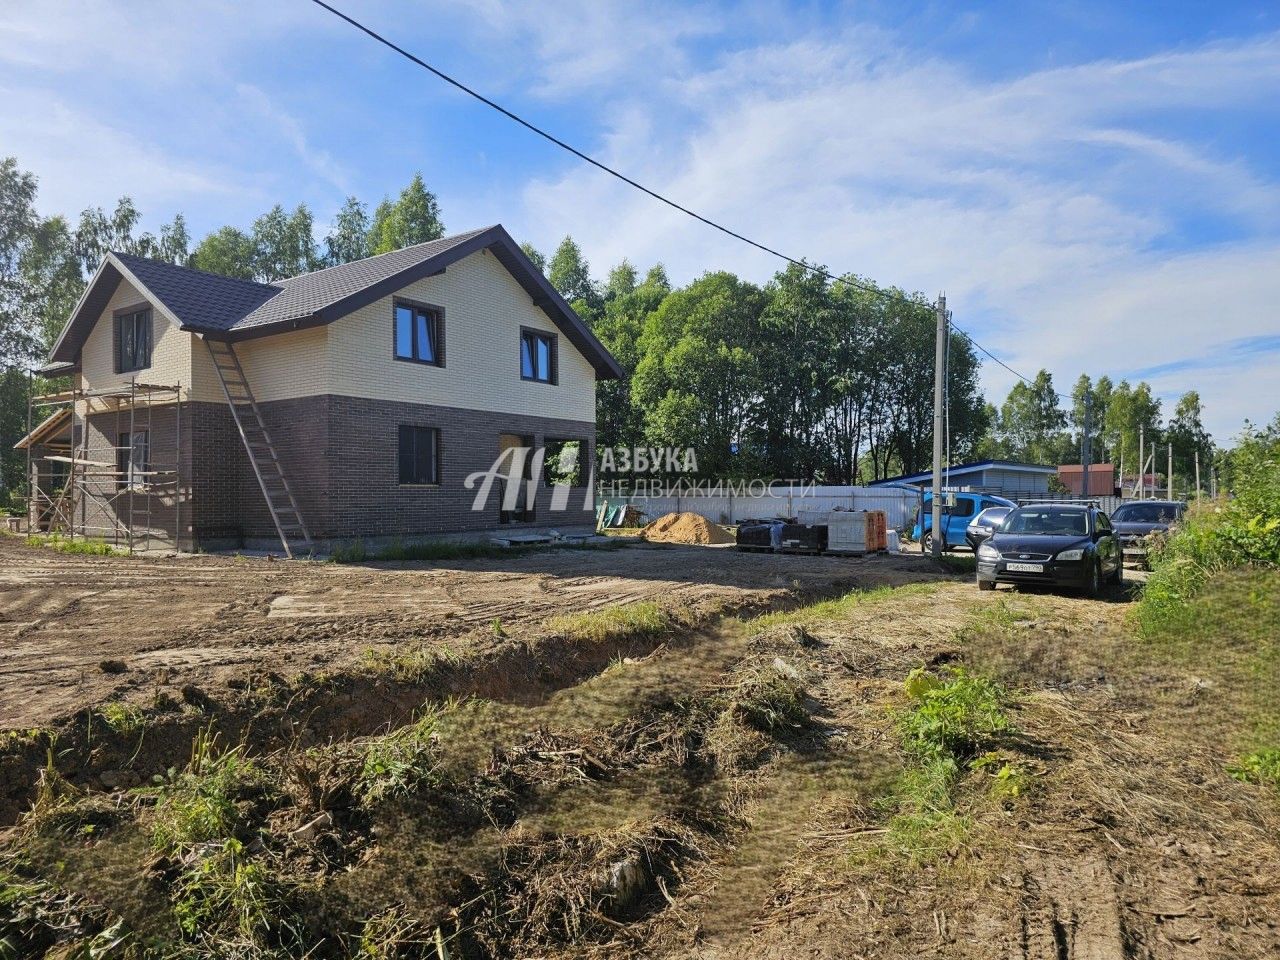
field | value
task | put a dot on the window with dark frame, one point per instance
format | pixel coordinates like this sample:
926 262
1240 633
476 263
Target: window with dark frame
537 356
419 455
133 340
419 334
133 459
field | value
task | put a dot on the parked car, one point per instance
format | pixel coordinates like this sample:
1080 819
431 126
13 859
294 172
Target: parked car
1052 544
984 525
955 519
1137 520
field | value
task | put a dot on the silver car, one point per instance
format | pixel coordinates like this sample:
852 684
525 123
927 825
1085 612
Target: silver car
984 525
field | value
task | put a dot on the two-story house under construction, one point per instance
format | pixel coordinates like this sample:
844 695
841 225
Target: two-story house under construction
355 401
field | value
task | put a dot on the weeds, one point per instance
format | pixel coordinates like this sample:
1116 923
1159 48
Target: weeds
202 803
770 699
392 934
123 718
90 546
232 903
1243 531
954 716
1261 766
403 761
643 619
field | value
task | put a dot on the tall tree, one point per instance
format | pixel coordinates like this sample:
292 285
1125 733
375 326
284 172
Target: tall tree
283 243
570 274
1189 438
1032 424
698 372
413 218
536 257
18 223
227 251
619 421
348 238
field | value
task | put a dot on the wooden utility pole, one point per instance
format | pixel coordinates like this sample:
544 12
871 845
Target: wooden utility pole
1142 464
1086 450
939 362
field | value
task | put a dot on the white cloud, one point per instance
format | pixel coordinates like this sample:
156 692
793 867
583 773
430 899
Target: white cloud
84 162
280 123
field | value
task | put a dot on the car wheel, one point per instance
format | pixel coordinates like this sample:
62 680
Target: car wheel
1117 578
1094 586
926 542
986 584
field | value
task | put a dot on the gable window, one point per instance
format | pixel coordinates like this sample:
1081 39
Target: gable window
537 356
133 459
419 334
133 340
419 455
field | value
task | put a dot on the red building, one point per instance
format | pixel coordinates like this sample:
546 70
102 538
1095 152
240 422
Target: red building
1102 479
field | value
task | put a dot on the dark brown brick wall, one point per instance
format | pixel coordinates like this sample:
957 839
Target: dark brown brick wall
340 456
363 495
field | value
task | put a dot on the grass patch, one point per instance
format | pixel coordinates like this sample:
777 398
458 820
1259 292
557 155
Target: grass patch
961 563
203 803
840 607
954 717
642 619
91 546
1261 766
405 760
123 718
770 699
234 905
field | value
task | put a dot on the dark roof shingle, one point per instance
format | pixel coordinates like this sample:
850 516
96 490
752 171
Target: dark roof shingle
200 300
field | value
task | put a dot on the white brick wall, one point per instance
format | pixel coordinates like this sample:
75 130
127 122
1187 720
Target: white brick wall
484 310
170 348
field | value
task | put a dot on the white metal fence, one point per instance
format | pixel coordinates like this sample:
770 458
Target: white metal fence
898 505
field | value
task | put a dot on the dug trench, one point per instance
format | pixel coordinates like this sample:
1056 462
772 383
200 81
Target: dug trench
732 783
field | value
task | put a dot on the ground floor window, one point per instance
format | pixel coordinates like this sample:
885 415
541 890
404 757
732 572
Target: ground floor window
133 458
563 465
419 455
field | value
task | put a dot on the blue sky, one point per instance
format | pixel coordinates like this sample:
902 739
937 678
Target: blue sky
1096 186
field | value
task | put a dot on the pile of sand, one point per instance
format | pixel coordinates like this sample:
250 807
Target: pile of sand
685 528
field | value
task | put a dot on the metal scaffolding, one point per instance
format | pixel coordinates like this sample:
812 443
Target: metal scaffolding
92 485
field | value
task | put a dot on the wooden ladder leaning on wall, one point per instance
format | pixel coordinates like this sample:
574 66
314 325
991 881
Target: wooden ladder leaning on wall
262 453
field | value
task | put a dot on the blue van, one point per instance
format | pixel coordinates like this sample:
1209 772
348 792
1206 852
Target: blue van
954 518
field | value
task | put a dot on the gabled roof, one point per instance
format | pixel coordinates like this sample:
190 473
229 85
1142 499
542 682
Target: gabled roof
224 308
977 467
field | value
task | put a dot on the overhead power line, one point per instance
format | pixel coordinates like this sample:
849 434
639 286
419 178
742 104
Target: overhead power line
534 128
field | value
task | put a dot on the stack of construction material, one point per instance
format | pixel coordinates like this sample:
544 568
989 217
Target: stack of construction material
803 538
877 531
847 532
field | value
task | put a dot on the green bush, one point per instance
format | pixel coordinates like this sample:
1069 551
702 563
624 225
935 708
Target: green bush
1240 531
954 716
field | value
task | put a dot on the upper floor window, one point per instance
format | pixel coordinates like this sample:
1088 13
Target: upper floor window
537 356
133 340
419 333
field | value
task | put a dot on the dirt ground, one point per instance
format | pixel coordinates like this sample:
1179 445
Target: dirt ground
204 620
715 781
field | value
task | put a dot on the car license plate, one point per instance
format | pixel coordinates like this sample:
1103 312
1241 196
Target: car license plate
1025 567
